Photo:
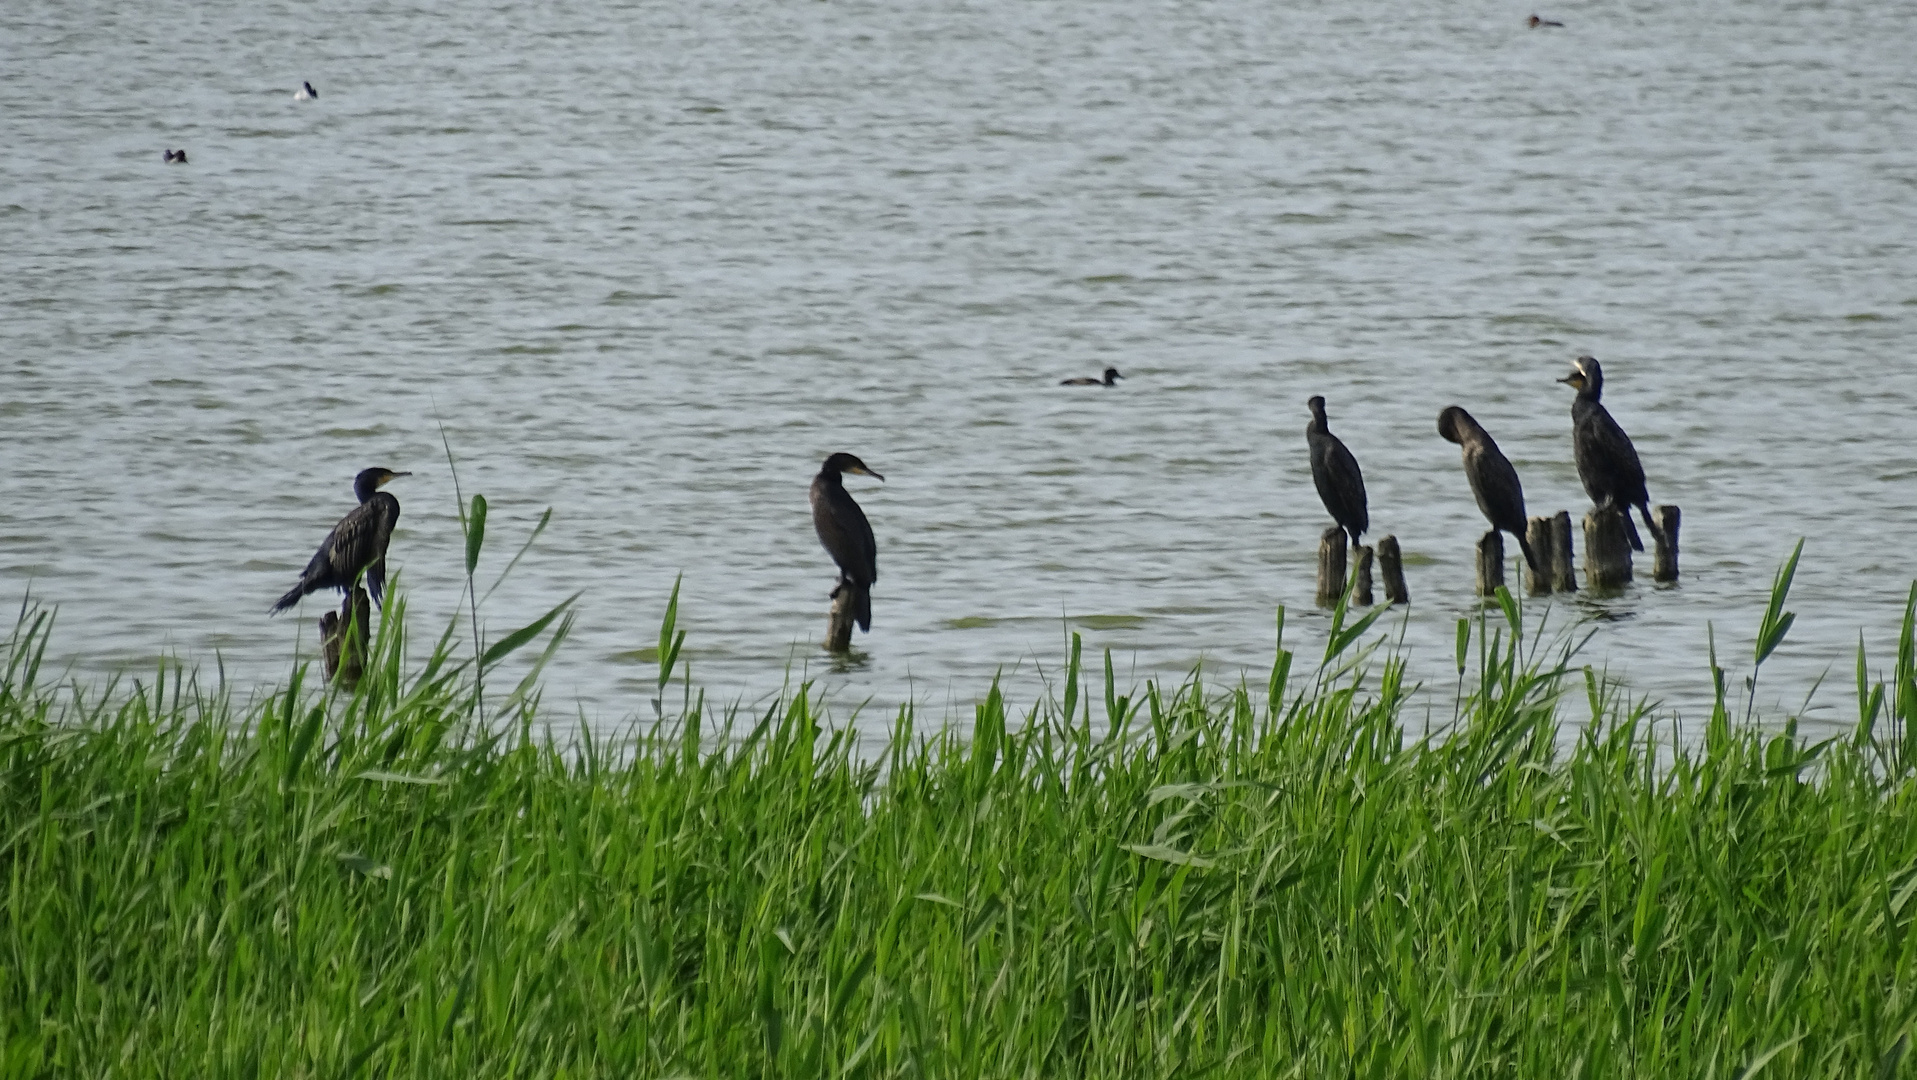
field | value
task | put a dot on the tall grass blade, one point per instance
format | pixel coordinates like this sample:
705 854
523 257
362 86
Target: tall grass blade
545 519
512 642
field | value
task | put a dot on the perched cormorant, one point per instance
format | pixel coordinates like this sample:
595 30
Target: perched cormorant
1335 472
356 545
306 93
845 533
1536 22
1607 462
1111 379
176 157
1493 480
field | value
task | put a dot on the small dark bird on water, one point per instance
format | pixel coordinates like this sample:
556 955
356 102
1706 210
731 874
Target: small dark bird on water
1536 22
306 93
356 545
1607 462
1493 480
845 533
1111 379
1335 472
176 157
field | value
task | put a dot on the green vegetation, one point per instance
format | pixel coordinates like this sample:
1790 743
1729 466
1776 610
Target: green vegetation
1177 882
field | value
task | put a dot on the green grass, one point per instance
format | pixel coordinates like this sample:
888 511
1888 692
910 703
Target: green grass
1269 881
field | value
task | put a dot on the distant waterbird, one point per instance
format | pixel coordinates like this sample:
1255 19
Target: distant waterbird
1493 481
176 157
1534 22
1111 379
1335 472
357 545
845 533
306 93
1607 462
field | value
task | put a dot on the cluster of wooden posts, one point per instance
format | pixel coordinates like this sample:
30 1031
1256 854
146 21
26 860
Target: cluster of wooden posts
1607 558
1332 575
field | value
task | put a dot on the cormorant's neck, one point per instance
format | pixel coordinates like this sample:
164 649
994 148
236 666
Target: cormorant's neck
365 490
831 476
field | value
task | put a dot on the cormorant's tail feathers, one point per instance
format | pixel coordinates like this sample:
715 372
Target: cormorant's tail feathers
1630 530
861 606
1650 522
292 597
1530 557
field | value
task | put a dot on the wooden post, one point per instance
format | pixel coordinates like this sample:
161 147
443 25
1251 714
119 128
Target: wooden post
1537 533
1331 567
1607 550
1491 563
1391 568
1364 578
838 625
343 637
1562 559
1664 565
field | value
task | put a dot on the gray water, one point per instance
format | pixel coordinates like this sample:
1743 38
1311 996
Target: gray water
648 264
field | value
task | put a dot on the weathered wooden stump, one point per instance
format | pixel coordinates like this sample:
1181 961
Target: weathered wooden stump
1363 594
1491 563
1664 563
343 637
1331 566
838 625
1607 550
1563 561
1391 568
1537 533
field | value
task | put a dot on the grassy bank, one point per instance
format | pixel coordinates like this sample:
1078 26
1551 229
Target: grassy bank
1265 881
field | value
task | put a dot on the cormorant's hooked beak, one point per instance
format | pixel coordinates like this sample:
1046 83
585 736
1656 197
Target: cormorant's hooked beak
1575 380
390 477
863 471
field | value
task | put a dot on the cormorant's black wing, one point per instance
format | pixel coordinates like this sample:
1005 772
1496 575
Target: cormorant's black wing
1495 483
384 517
844 532
1340 483
1607 462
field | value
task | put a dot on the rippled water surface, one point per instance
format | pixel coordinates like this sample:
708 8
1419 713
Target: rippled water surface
648 264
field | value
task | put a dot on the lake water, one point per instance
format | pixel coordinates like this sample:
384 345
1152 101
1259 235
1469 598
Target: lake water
648 264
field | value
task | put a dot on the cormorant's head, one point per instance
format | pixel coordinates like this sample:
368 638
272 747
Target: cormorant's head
1317 407
848 463
1453 422
371 480
1586 377
1112 375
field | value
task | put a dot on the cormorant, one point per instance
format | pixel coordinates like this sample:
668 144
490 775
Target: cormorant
176 157
1536 22
1111 379
1493 480
845 533
306 93
1335 472
356 545
1607 462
